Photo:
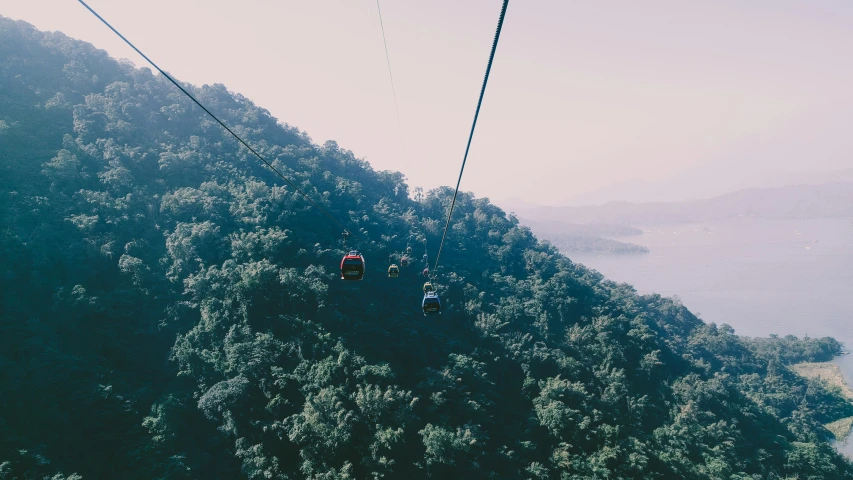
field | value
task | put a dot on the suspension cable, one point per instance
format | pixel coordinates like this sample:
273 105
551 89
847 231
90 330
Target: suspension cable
471 135
393 90
221 123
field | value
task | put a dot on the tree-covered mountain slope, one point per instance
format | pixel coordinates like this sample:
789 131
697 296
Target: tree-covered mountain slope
170 310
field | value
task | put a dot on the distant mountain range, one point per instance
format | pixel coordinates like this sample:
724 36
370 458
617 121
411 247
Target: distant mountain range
828 200
703 182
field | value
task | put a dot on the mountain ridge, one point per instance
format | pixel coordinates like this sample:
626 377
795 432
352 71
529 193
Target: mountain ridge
828 200
703 182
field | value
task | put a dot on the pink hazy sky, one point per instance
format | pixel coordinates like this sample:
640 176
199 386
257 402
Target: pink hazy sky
582 94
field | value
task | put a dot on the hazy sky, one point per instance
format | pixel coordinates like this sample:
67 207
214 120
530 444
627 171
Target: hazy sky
582 94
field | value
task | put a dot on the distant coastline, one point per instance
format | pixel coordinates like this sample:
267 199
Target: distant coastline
568 244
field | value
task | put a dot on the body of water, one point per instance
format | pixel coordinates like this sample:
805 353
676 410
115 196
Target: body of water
759 276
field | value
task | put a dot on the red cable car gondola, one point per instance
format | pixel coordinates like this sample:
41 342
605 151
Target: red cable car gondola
352 266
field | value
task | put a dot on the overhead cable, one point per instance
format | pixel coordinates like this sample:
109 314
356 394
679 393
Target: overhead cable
471 135
220 122
393 90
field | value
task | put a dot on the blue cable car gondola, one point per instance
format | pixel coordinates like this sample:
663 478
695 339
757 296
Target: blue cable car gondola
431 304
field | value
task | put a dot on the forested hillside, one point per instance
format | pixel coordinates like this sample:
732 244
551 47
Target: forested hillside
170 310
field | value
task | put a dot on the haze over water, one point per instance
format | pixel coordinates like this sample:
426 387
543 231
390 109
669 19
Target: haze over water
759 276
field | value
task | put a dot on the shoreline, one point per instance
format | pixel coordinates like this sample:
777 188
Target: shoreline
827 371
831 374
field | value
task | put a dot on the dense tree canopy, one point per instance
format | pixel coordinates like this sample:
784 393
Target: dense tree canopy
171 310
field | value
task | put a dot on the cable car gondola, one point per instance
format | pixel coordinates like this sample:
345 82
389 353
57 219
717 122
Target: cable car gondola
352 266
408 250
404 262
428 287
393 271
431 304
426 272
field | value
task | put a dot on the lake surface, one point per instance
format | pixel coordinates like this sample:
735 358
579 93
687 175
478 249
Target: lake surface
759 276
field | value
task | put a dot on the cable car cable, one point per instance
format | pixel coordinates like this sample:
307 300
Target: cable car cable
471 135
221 123
393 90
